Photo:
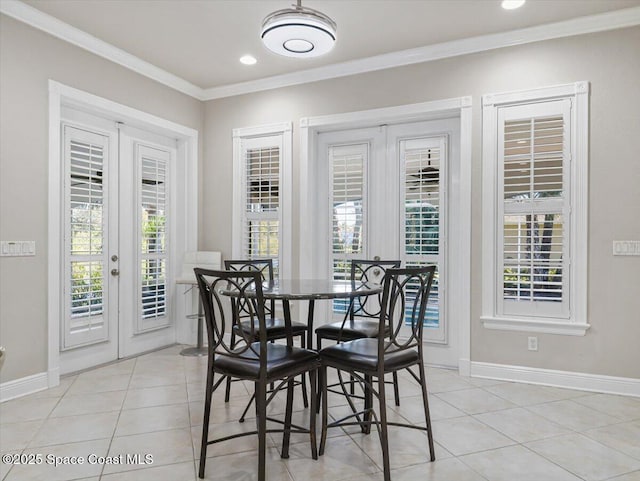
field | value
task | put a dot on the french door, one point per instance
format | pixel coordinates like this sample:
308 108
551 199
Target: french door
117 241
387 191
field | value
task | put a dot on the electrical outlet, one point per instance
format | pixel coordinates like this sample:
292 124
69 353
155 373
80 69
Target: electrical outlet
532 343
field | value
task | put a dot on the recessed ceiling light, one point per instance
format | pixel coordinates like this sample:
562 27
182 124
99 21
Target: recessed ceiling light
512 4
248 60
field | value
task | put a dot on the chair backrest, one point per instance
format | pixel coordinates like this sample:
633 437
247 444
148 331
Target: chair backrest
263 266
404 300
223 294
369 271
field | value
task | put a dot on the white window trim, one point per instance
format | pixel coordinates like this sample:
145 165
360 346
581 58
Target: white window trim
283 129
577 324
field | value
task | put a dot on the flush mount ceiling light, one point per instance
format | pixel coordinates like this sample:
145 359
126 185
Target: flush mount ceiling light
298 32
512 4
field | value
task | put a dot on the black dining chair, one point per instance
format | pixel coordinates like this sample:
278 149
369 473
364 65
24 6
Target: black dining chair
363 314
223 295
275 326
404 303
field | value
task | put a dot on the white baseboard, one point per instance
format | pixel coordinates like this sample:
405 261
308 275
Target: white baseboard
548 377
23 386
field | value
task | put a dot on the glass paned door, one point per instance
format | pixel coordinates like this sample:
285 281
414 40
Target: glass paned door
147 231
118 230
388 198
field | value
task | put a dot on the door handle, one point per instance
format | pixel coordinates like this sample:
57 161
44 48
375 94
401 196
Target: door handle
115 272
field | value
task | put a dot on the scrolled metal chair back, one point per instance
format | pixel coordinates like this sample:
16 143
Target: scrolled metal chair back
264 267
371 272
228 296
404 299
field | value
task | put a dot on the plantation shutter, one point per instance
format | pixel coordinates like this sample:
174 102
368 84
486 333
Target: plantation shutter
261 203
152 165
348 167
533 249
423 165
85 316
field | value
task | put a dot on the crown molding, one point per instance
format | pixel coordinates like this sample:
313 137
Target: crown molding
578 26
51 25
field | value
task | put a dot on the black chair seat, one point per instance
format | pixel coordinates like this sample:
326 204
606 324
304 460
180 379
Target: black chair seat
362 355
281 361
275 328
352 329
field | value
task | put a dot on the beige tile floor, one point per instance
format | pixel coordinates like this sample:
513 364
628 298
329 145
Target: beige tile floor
484 430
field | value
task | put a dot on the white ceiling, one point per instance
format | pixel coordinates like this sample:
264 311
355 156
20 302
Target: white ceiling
201 41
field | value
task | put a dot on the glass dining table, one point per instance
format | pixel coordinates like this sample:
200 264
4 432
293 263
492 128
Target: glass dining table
287 290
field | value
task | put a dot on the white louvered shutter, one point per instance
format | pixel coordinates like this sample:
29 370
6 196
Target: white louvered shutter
85 316
261 204
348 167
533 245
423 165
152 168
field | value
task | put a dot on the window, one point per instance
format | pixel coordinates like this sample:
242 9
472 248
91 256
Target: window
535 209
262 159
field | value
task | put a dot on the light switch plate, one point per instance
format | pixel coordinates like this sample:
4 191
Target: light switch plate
626 248
17 248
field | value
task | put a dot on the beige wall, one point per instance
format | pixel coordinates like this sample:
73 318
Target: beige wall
609 60
28 59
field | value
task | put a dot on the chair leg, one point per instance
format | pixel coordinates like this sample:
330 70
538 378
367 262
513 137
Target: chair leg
384 434
396 390
261 411
205 422
313 375
246 409
325 409
286 438
427 416
368 404
305 399
227 391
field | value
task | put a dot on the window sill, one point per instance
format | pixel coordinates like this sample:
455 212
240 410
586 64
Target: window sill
535 325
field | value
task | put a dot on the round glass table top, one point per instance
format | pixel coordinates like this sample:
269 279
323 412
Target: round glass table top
314 289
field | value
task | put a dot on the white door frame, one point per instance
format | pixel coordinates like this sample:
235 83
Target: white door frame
459 271
187 210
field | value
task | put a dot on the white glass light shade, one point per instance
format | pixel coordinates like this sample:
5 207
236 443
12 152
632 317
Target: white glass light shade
300 32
